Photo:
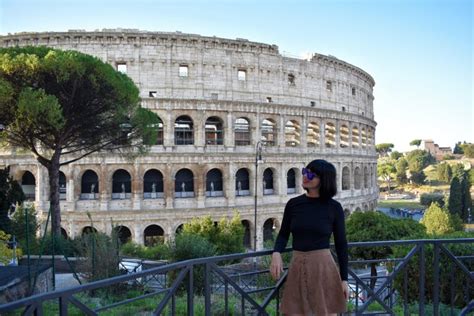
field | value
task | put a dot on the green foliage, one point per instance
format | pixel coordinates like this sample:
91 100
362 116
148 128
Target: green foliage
6 254
395 155
383 149
419 159
20 226
10 194
415 142
444 172
401 170
418 177
459 193
458 149
437 220
227 235
468 150
386 170
449 272
156 252
428 198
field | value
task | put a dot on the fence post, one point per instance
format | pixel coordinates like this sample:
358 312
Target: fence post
422 278
436 280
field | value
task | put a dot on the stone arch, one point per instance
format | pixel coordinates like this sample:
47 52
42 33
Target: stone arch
214 131
179 229
28 184
344 136
366 177
269 227
268 182
184 183
313 135
355 137
242 182
88 230
291 181
292 133
153 235
64 233
153 184
269 132
62 186
214 183
89 185
121 184
124 234
364 137
183 130
358 209
247 240
357 178
242 132
346 178
330 134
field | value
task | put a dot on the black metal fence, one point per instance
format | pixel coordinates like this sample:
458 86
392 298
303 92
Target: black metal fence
425 275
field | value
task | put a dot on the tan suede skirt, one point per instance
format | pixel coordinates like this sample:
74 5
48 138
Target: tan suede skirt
313 285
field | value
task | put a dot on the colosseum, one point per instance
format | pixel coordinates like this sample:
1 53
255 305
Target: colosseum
239 120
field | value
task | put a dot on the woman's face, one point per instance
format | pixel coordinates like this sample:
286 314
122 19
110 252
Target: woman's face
310 180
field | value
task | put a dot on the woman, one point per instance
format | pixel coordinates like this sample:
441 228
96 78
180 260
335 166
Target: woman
314 285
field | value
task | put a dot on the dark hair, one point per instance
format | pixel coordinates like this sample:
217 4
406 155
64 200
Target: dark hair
327 177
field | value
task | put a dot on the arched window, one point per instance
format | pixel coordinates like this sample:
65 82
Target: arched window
313 135
88 230
346 178
62 186
123 234
214 131
269 132
28 184
89 186
268 228
158 130
242 132
214 183
291 182
64 233
184 184
153 235
183 131
370 137
242 184
246 241
153 184
330 135
268 181
364 138
121 185
344 136
292 133
357 178
355 137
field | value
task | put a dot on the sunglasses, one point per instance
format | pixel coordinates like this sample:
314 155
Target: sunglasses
309 174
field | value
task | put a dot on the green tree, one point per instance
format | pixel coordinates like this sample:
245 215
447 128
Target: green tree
437 220
458 149
386 170
419 159
11 194
415 142
459 194
428 198
468 150
395 155
383 149
455 196
401 167
374 226
23 227
417 177
444 172
65 105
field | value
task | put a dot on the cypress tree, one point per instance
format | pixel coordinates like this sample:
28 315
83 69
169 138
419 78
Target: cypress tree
455 196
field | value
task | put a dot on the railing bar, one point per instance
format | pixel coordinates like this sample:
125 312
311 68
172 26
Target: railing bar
436 280
172 290
242 305
405 292
226 298
457 262
173 305
131 300
453 279
207 290
84 308
29 310
422 280
190 295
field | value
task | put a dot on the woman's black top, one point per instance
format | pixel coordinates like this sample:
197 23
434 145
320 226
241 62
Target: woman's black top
311 221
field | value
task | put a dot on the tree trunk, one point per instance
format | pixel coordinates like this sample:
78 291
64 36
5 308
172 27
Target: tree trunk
373 275
53 173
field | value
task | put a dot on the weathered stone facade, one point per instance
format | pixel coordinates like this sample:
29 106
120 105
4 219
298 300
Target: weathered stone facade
216 98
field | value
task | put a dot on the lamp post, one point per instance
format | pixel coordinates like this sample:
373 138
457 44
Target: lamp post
258 158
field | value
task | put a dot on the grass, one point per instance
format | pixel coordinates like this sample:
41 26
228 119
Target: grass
401 204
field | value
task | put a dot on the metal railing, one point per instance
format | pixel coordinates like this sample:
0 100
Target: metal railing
427 272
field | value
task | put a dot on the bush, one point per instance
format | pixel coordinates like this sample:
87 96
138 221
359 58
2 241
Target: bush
428 198
19 226
447 269
157 252
439 221
6 254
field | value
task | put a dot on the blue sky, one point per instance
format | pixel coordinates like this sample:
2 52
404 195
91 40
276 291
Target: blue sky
419 52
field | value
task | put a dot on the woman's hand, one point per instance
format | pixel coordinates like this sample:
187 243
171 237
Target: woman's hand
276 267
345 290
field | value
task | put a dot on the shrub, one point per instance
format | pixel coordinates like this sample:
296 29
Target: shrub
157 252
439 221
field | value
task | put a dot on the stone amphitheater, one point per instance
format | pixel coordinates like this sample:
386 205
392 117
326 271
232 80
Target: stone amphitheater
239 120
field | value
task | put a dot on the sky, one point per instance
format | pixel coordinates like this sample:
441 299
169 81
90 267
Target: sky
420 52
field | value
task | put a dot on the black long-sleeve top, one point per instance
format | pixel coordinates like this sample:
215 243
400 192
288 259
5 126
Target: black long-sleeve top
311 221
